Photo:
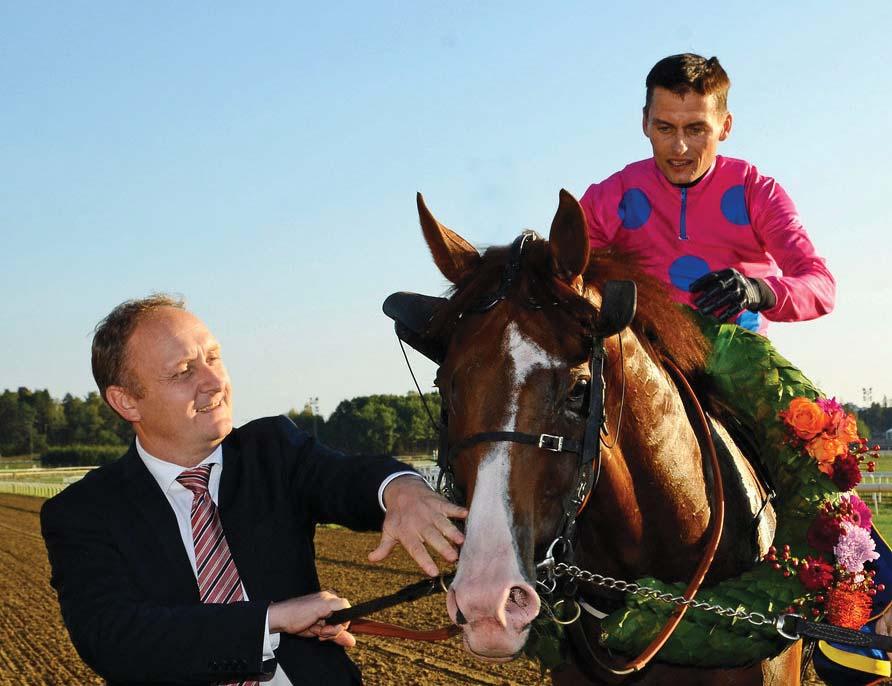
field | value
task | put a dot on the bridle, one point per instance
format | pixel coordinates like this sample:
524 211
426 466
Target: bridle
587 448
617 311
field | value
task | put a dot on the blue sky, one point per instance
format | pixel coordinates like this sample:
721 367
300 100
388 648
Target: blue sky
262 160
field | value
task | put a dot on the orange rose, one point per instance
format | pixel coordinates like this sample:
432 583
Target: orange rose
849 430
825 450
805 418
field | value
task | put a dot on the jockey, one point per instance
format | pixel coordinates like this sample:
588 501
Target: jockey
726 239
713 228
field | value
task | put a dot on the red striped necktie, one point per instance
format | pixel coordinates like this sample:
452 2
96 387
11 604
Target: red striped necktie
218 579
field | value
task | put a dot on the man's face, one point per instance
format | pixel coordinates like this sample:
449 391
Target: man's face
685 132
186 405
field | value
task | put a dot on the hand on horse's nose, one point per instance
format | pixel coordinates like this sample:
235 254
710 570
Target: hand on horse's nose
417 517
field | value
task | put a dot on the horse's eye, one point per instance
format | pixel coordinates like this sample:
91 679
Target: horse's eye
578 395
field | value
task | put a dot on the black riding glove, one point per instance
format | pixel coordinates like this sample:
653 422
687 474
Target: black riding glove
727 292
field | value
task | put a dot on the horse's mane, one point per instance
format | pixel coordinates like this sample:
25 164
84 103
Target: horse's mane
661 325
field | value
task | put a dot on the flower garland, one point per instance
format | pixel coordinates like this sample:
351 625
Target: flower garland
772 399
838 588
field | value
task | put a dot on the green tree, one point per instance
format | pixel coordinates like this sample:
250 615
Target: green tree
309 421
362 425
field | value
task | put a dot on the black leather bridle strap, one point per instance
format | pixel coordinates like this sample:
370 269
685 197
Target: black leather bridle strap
557 444
591 438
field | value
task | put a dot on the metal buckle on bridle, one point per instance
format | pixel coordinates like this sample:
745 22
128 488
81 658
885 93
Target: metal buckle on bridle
552 443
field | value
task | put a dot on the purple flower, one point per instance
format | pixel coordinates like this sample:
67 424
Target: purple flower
854 548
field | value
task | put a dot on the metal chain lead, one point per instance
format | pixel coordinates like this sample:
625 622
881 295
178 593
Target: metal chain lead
574 572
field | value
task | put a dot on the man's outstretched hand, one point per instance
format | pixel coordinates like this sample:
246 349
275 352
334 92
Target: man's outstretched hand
418 517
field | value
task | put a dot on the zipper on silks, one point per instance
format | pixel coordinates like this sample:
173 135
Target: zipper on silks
682 228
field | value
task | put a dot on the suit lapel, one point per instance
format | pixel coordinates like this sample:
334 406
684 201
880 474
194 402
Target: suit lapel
238 512
155 526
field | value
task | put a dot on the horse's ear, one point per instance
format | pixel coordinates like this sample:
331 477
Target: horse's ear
568 239
453 255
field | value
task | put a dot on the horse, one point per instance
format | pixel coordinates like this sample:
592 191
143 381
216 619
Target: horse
514 342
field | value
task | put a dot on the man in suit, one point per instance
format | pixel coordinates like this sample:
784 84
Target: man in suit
191 559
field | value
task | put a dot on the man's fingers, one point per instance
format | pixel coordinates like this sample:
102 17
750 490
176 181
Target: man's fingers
452 532
434 538
454 511
345 639
385 547
422 558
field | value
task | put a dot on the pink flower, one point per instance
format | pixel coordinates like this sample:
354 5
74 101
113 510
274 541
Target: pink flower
835 414
861 514
854 548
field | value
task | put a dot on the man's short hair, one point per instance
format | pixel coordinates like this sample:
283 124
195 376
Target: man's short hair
688 72
111 366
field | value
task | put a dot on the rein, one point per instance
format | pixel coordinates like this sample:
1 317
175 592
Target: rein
577 632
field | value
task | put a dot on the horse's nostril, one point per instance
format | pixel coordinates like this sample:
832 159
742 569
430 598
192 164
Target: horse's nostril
519 597
459 617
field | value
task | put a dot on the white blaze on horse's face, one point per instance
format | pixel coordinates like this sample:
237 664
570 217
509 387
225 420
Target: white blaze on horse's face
490 590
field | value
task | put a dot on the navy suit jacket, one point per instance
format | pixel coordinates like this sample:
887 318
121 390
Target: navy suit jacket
129 596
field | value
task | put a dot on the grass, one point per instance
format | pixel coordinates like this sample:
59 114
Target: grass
7 463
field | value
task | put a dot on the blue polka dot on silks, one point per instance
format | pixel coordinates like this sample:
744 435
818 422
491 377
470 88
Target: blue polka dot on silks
734 206
749 320
634 209
687 269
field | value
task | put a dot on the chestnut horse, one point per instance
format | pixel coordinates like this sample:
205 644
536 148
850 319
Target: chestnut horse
519 361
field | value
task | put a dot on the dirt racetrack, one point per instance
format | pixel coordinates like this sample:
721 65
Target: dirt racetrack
35 648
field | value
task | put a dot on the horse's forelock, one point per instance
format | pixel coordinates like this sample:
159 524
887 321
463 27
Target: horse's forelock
535 281
661 325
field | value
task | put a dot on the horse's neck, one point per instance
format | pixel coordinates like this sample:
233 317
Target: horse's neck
651 507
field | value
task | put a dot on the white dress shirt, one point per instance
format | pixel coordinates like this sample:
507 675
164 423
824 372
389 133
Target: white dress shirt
180 499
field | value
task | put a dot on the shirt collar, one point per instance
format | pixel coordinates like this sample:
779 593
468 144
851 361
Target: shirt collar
702 182
166 473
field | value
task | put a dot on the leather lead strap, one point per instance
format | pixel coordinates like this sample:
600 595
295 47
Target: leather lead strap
630 667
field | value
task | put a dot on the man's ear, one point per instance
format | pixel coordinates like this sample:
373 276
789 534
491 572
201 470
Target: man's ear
726 126
644 123
123 403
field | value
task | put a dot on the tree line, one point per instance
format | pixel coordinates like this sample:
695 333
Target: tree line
33 421
877 417
388 424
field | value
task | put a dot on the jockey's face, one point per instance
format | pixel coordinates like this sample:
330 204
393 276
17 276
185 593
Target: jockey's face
685 131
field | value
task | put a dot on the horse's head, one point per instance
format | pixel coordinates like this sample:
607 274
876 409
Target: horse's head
517 336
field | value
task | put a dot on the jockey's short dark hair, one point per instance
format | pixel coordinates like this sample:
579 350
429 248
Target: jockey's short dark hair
688 72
